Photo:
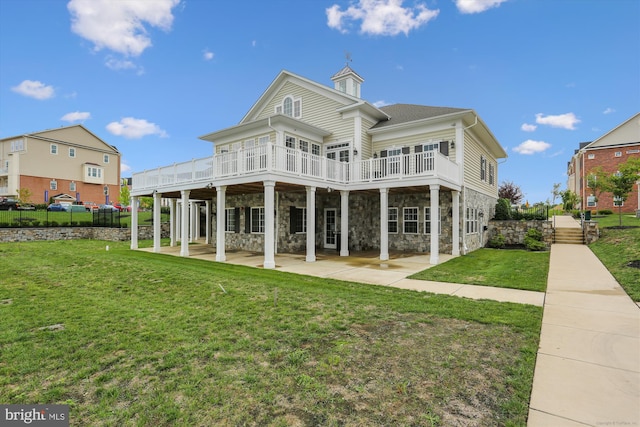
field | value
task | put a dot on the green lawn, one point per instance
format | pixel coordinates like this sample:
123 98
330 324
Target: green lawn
64 219
517 269
618 249
135 338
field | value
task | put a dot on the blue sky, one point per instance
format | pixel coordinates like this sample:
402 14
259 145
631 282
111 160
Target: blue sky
150 76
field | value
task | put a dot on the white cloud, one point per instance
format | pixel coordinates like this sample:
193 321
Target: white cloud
528 127
477 6
254 43
124 167
380 17
120 25
609 111
564 121
76 116
34 89
532 147
380 103
132 128
207 55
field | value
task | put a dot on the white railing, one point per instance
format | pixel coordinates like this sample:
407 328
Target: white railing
4 190
4 171
285 160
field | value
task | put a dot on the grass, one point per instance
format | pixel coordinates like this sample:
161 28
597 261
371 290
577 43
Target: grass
135 338
517 269
618 248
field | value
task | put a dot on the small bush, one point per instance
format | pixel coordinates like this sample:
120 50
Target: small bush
35 223
497 242
605 212
533 240
503 210
4 224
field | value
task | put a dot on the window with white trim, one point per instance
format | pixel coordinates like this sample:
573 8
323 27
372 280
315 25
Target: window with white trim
53 148
591 201
53 184
471 220
618 154
427 220
105 158
72 186
93 172
257 220
72 152
290 106
491 174
591 156
394 160
392 220
230 220
298 220
483 168
617 201
410 220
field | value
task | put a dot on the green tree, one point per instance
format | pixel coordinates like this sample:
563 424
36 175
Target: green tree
598 182
125 196
24 195
556 192
569 200
621 183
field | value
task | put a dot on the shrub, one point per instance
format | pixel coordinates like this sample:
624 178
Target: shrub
503 210
4 224
35 223
533 240
605 212
497 242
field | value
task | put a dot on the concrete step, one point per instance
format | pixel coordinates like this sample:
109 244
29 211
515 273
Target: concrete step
569 236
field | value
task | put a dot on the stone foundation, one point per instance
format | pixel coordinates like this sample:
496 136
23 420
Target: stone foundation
71 233
514 231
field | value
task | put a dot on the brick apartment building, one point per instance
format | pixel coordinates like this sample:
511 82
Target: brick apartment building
65 161
609 151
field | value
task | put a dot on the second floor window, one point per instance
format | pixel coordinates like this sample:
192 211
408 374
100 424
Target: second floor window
94 172
105 158
72 152
72 186
483 168
53 148
290 106
53 185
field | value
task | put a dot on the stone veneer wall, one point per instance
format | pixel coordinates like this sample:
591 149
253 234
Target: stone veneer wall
71 233
514 231
364 221
486 206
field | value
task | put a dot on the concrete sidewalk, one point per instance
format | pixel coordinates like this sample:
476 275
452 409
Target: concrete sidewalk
588 366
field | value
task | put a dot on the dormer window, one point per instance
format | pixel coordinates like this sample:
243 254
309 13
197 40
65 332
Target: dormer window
290 106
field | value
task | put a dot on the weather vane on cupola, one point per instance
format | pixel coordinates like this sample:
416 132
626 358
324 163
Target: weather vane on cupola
347 56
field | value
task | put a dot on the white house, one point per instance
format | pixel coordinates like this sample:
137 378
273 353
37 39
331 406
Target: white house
315 167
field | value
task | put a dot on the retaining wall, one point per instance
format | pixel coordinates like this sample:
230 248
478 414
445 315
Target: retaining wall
70 233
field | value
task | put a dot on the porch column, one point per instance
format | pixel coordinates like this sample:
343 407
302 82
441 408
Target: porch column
311 224
184 240
384 224
455 222
344 223
220 218
193 230
207 237
269 226
134 222
173 220
178 220
435 232
157 232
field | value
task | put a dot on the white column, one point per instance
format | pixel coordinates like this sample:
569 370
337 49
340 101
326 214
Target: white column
157 232
173 220
344 223
311 224
220 218
207 237
178 220
435 232
134 222
384 224
269 226
184 239
193 221
455 222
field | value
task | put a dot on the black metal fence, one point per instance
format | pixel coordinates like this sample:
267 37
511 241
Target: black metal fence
538 212
97 218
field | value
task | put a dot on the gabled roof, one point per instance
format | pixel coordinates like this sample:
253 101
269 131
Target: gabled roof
404 113
327 91
345 72
625 137
42 135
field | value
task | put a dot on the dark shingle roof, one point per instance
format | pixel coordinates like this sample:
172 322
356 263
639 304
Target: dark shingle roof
405 113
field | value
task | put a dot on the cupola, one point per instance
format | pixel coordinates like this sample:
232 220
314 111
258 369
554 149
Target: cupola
347 81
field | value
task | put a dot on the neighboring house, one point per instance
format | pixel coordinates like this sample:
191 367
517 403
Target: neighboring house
69 160
609 151
311 166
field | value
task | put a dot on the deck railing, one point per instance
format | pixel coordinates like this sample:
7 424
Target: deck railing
290 161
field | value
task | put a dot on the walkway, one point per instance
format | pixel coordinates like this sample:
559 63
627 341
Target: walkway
367 268
588 366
